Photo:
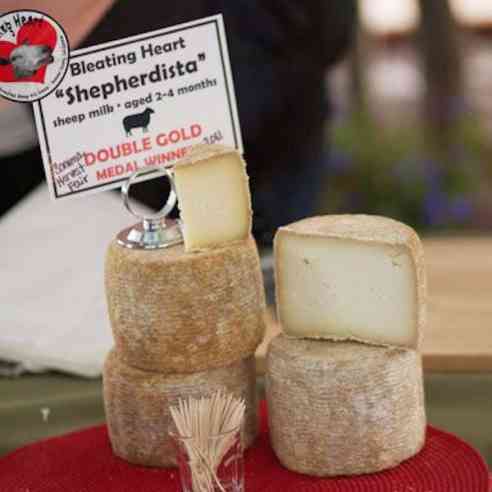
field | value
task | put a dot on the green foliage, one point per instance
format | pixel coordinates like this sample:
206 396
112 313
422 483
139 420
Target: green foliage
399 173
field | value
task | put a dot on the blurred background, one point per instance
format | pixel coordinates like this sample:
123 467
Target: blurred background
412 127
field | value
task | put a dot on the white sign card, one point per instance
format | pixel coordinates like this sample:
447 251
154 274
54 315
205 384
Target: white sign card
137 102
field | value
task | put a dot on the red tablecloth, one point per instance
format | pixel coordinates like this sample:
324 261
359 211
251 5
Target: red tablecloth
83 462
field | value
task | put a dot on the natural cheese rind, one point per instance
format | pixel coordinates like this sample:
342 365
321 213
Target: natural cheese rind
178 312
137 406
213 196
354 277
343 408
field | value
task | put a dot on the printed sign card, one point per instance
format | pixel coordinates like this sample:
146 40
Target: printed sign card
137 102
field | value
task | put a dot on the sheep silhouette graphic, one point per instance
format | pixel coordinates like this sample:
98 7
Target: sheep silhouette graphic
137 120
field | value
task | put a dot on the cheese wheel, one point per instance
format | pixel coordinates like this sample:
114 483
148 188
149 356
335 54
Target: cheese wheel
137 406
178 312
343 408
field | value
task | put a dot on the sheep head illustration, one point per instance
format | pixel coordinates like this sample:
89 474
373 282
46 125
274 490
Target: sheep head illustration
26 59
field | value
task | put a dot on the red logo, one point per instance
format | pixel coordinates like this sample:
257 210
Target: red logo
34 60
26 61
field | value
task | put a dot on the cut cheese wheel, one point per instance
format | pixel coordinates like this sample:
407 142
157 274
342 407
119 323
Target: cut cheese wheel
356 277
214 198
343 408
137 406
177 312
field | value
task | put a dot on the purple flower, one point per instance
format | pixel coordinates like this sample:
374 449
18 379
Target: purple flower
339 162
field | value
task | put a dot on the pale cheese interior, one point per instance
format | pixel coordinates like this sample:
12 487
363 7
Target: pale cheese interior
342 288
214 201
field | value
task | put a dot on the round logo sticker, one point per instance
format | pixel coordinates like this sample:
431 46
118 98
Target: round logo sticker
34 55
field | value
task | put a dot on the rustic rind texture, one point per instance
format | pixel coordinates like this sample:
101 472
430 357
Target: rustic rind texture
137 406
343 408
177 312
203 152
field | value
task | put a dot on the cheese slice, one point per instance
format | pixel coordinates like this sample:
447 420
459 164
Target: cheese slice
343 408
354 277
178 312
137 405
213 196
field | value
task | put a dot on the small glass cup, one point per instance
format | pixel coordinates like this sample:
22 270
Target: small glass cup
211 464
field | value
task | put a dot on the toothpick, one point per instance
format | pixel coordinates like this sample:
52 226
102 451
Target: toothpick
206 424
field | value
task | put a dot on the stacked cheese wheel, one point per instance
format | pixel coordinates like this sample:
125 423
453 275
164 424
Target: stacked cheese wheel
187 319
344 379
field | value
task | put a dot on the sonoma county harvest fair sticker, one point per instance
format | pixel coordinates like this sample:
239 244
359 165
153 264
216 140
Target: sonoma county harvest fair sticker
34 55
136 103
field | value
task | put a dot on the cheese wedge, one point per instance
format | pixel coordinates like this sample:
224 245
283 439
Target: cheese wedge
354 277
213 197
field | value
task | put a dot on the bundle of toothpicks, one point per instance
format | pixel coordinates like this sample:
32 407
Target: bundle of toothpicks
206 430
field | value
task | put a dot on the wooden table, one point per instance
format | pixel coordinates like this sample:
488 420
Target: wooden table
459 332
